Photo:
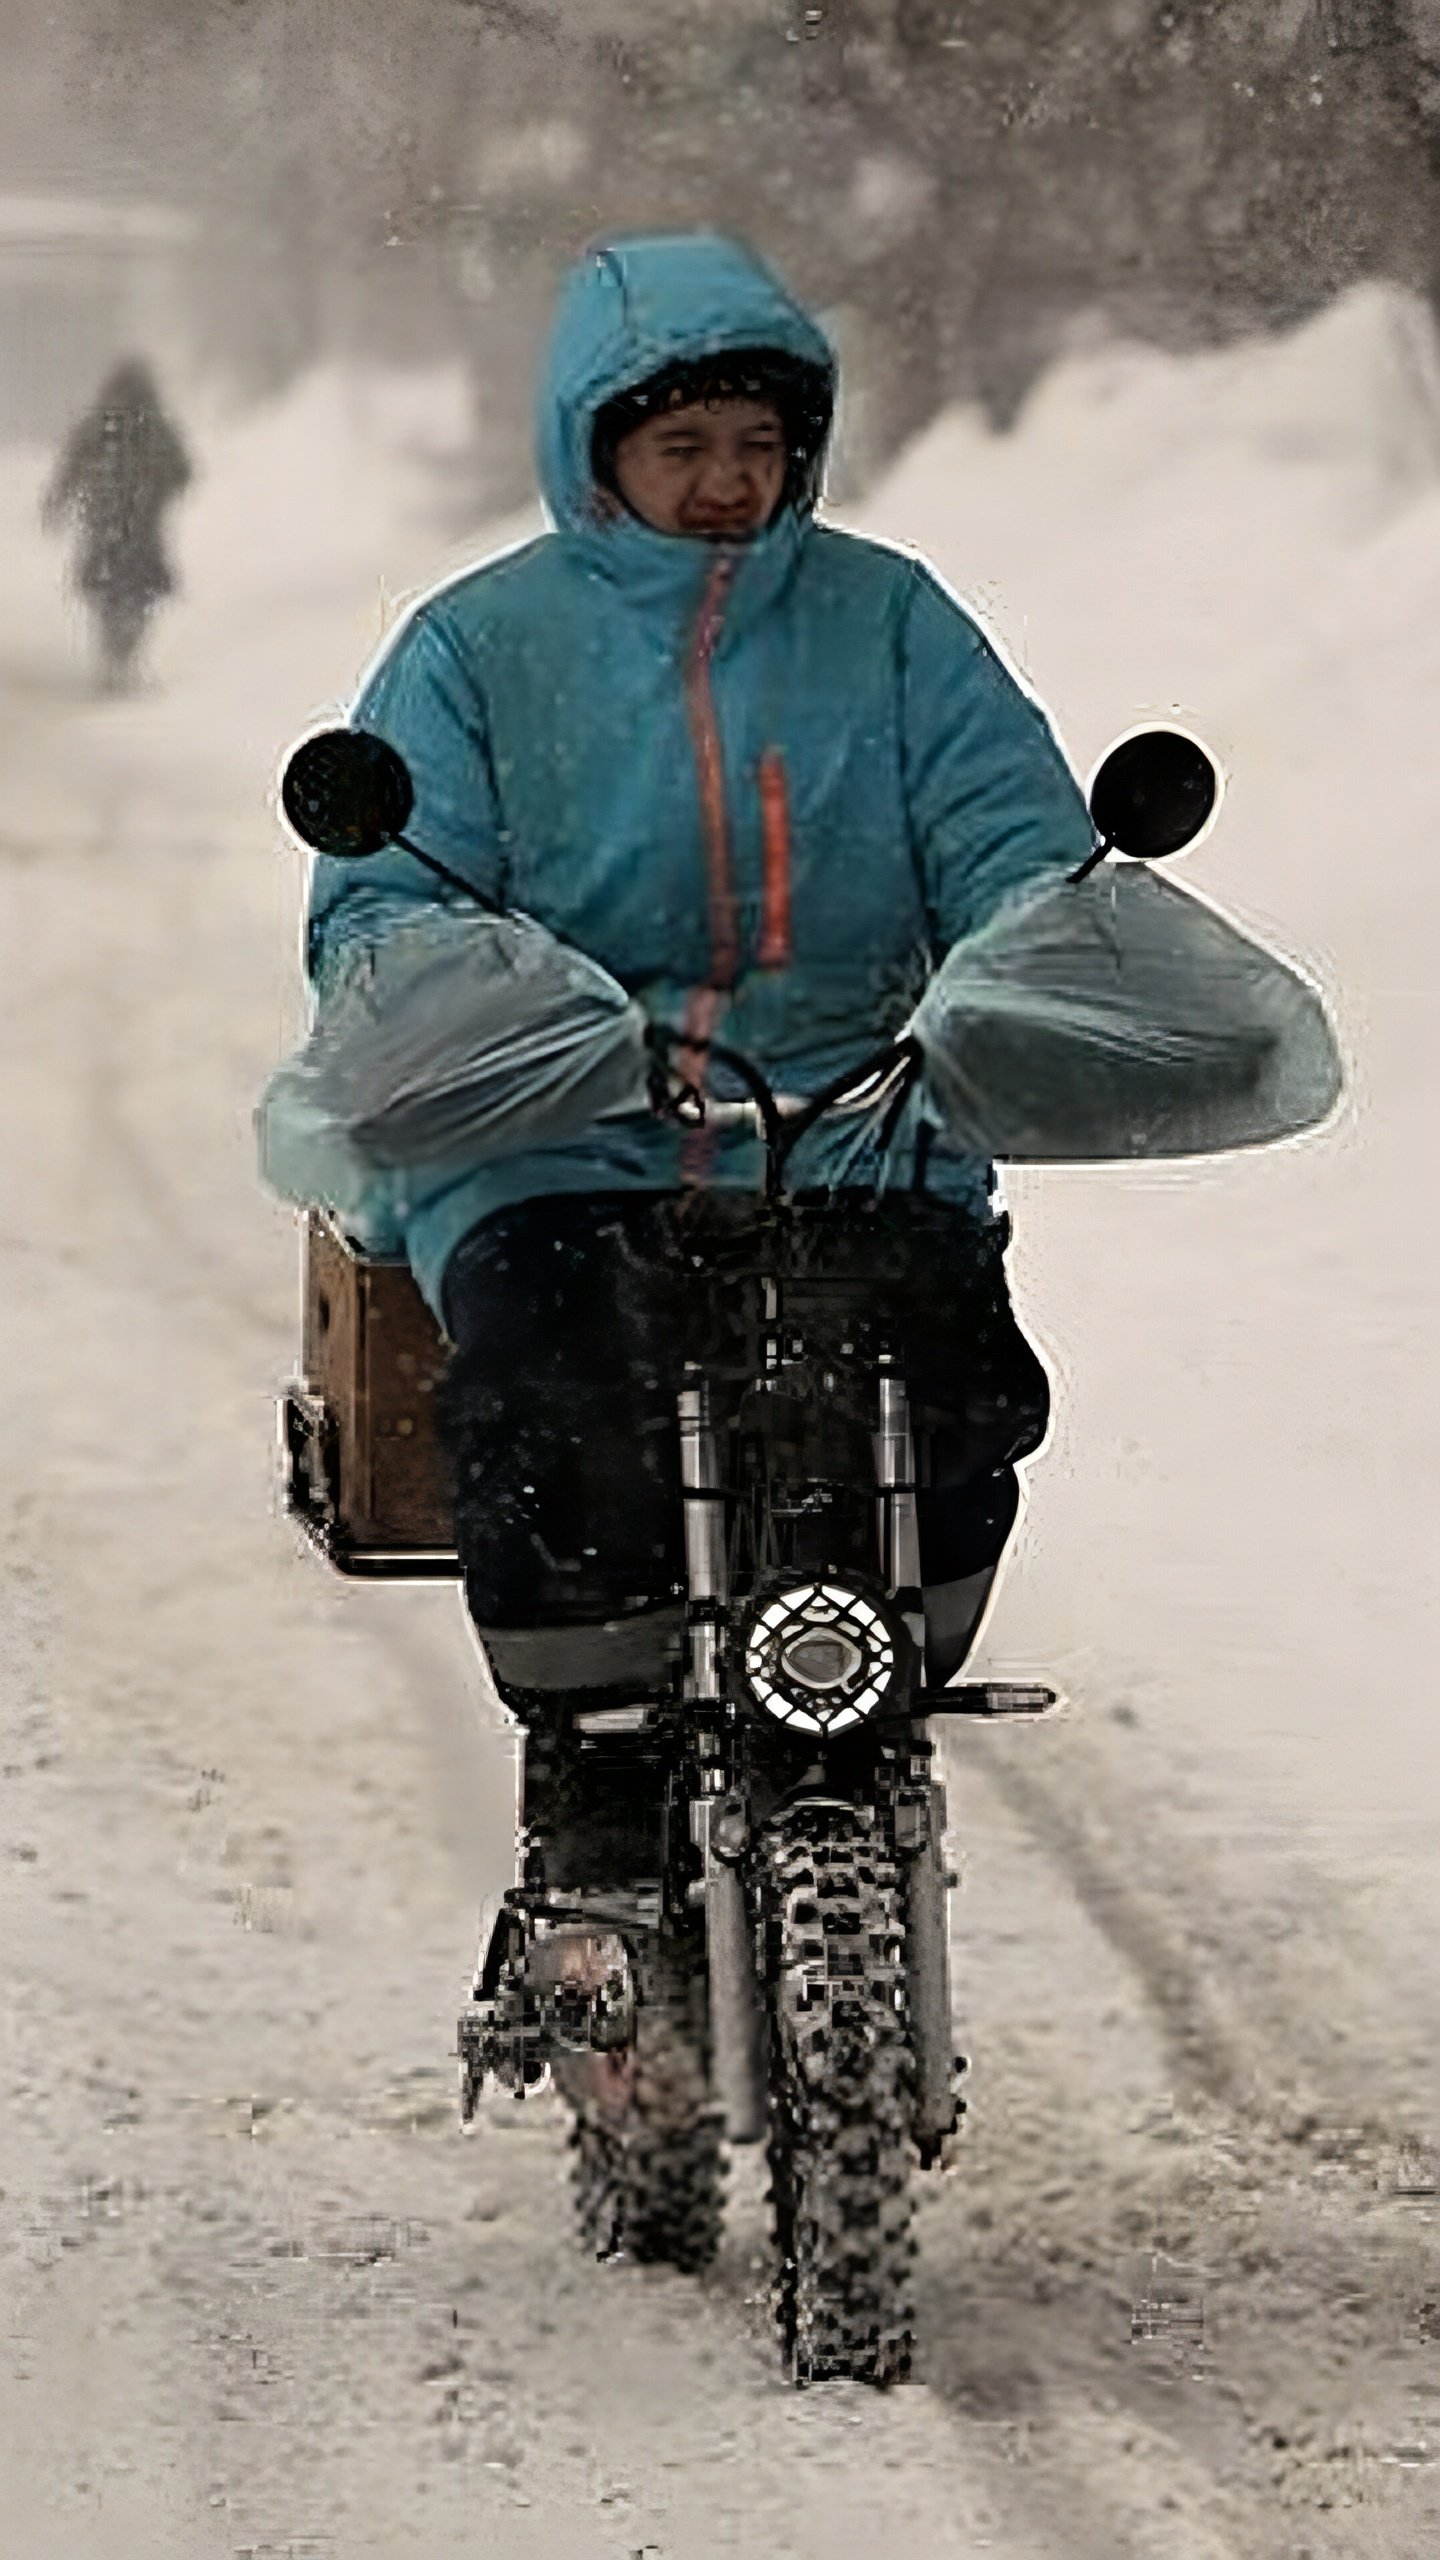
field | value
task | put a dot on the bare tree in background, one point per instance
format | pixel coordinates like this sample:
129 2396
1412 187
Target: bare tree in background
955 184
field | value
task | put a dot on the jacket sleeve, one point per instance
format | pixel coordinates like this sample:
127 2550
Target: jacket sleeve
992 803
424 698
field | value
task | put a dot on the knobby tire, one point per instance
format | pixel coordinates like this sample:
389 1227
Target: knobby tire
841 2096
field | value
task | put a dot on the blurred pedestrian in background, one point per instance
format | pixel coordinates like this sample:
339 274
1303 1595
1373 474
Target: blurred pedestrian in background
122 469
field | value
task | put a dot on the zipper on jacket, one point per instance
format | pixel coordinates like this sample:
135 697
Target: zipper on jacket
710 773
774 952
705 1004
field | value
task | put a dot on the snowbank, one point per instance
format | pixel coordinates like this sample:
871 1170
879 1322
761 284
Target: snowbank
1234 1513
1158 530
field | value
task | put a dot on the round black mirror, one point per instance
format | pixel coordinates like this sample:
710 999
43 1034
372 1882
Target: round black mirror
347 793
1153 794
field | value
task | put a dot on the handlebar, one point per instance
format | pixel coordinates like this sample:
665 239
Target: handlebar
785 1119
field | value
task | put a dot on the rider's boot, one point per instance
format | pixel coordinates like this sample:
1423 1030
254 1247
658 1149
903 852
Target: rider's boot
590 1833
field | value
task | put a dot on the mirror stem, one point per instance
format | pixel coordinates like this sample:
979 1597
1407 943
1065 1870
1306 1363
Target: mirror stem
1091 863
443 873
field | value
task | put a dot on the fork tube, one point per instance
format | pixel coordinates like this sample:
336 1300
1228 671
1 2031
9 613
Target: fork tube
895 1468
736 2068
927 1970
927 1880
704 1499
737 2043
705 1559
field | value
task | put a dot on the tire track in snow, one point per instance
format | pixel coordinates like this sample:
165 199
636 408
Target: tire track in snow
1169 1941
1210 2053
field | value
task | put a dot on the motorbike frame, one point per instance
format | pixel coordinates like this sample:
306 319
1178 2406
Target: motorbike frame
734 1769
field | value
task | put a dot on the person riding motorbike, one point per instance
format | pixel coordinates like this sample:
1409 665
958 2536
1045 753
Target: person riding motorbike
767 773
122 468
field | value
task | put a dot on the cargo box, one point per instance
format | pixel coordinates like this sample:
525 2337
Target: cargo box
365 1472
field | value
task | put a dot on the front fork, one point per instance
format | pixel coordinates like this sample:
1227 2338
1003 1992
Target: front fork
920 1839
719 1829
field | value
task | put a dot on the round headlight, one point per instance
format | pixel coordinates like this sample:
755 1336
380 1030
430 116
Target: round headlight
820 1661
820 1657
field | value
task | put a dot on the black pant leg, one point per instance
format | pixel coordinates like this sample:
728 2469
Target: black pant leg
559 1418
559 1413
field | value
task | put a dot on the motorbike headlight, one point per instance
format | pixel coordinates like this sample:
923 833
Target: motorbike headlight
820 1657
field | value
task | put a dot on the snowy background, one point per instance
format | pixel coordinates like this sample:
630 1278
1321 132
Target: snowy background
259 2296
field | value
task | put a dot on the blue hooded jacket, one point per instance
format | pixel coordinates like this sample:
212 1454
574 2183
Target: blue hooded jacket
793 769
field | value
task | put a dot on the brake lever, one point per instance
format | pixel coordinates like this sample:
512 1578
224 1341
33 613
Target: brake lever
903 1057
679 1100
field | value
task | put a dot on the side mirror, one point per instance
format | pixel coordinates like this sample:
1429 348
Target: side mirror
347 793
1151 796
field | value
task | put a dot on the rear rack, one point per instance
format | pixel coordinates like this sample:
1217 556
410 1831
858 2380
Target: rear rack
309 1444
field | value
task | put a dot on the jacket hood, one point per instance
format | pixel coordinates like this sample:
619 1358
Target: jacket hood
631 307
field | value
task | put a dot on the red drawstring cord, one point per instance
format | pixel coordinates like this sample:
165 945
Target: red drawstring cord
704 1005
710 773
775 839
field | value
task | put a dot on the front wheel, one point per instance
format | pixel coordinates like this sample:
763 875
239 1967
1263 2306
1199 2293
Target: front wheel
841 2074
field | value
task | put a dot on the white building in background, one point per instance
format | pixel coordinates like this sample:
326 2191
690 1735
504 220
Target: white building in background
81 284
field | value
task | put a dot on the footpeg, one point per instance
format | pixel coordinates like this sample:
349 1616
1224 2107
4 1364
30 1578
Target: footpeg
566 1992
990 1698
496 2041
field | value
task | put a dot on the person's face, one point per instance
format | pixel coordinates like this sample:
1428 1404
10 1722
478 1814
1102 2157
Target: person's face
714 469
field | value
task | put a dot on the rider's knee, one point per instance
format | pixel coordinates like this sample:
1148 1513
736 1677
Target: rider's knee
626 1655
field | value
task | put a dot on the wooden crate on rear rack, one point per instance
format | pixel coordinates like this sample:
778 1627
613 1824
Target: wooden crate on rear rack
366 1475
